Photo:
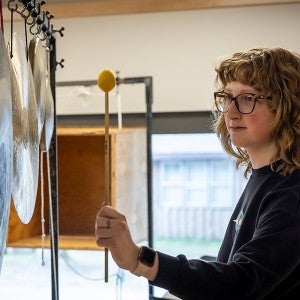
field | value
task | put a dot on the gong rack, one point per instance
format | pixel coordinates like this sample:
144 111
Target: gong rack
39 23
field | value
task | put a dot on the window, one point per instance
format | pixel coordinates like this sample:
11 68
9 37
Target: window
193 180
195 188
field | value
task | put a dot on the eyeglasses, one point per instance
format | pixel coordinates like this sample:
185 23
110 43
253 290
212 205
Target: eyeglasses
245 103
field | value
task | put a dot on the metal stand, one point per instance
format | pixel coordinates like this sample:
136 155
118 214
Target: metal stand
34 16
53 206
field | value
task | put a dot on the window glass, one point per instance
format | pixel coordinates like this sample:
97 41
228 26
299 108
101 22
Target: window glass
173 195
195 188
196 171
192 177
172 171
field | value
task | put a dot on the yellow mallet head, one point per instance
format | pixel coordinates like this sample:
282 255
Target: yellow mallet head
106 81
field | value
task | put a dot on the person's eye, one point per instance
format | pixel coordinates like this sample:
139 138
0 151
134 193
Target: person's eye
227 97
247 98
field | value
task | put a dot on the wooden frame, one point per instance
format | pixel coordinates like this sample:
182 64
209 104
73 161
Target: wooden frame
81 187
71 9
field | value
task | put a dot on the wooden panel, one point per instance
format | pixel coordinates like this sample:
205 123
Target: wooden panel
81 186
81 182
130 195
94 8
68 9
20 235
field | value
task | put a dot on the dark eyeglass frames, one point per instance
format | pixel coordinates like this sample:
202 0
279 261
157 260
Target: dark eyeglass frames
245 103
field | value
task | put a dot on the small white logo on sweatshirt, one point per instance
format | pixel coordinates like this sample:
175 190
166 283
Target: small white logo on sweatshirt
238 221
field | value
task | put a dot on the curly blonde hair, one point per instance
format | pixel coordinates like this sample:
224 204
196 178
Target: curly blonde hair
275 72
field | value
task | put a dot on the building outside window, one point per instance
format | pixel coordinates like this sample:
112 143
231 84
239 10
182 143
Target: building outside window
195 188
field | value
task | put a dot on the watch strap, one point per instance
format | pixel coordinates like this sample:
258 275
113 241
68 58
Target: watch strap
141 269
146 260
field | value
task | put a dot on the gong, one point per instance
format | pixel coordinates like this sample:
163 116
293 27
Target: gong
37 59
45 108
47 130
6 143
25 132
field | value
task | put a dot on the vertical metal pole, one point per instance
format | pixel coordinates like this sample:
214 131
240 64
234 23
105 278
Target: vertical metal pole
149 101
53 206
148 82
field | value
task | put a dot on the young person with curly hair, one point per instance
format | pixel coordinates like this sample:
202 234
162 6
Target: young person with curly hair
257 120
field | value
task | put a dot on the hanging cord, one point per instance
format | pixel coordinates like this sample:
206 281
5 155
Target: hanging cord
12 8
26 37
43 236
11 32
1 16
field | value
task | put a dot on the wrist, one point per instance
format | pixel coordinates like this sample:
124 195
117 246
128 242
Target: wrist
151 274
146 260
135 259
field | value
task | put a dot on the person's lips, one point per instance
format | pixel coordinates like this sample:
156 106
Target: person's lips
236 128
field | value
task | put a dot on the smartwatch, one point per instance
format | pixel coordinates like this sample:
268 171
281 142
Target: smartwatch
146 261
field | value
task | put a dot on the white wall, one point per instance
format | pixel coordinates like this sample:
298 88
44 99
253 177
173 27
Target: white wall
179 49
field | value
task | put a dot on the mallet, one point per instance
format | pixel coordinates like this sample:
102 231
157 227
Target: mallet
106 82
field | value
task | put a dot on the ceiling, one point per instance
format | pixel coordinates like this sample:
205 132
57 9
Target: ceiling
84 8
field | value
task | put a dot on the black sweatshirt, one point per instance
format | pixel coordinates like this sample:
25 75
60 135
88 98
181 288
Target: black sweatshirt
260 254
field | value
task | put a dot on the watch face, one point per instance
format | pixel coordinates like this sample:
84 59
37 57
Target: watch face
147 256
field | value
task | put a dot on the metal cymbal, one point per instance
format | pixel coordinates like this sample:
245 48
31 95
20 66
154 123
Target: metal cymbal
45 106
37 58
48 127
6 143
25 133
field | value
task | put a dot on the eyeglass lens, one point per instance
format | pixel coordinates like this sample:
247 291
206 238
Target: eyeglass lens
244 103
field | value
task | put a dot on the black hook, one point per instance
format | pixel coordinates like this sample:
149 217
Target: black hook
49 31
40 18
49 16
35 12
22 12
30 6
60 31
10 7
60 63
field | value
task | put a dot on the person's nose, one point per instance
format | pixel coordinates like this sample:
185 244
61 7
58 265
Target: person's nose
233 111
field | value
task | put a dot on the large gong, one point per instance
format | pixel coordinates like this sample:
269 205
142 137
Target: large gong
45 107
37 59
48 127
25 132
6 143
